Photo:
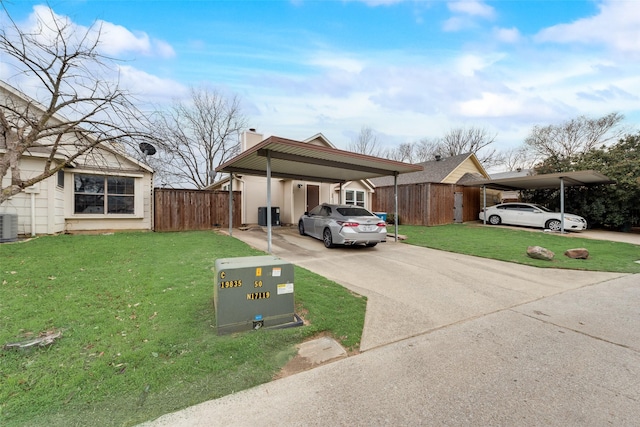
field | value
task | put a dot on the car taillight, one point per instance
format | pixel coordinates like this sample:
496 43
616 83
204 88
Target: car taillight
347 224
382 224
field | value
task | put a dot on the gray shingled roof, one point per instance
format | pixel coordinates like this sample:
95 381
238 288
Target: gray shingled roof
434 171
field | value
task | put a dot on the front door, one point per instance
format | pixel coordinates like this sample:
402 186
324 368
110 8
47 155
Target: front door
313 196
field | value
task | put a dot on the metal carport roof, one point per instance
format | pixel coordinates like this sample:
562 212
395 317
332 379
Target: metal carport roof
550 180
300 160
277 157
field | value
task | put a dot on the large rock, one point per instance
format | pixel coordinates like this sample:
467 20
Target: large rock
577 253
538 252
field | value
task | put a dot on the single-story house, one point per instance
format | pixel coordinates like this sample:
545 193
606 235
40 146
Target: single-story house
103 190
290 198
436 194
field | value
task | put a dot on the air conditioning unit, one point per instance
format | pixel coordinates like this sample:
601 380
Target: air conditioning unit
8 228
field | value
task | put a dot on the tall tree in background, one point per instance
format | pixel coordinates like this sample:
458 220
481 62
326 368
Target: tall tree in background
414 152
575 136
517 158
366 143
612 206
76 105
197 136
469 140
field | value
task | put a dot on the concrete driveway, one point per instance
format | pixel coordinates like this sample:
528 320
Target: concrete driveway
455 340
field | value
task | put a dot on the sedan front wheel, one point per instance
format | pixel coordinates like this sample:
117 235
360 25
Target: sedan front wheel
553 225
327 238
301 228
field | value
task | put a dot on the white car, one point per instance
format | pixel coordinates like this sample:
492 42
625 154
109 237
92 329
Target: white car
531 215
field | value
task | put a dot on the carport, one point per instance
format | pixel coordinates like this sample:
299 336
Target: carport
534 182
277 157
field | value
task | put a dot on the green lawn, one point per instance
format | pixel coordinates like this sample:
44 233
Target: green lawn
138 327
511 245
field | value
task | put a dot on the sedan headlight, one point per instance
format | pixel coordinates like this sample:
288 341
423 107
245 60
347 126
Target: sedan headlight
574 219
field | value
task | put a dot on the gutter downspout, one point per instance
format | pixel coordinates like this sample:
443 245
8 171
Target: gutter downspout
33 215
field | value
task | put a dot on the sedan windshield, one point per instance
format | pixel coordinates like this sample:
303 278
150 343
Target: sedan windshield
355 211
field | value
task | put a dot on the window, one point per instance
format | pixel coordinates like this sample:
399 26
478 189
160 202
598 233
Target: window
98 194
61 179
354 197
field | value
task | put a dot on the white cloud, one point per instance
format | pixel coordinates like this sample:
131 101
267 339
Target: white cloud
336 61
114 39
507 35
147 85
616 26
473 8
465 14
456 23
468 64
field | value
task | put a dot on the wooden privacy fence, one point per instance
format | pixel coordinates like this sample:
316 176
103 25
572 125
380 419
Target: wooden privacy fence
182 210
428 203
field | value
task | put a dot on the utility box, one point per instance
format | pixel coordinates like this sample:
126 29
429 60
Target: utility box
252 293
262 216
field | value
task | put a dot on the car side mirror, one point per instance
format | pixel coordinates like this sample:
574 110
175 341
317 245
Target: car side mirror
306 213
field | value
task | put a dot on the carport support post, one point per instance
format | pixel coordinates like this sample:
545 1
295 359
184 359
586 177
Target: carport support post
562 205
268 201
484 204
340 195
395 209
230 204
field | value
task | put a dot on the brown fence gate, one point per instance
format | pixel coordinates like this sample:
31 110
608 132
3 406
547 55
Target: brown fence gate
182 210
428 203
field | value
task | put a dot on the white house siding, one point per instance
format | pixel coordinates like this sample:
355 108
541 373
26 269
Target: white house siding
255 196
37 201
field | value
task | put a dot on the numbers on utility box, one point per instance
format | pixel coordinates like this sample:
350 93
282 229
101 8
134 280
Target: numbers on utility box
225 284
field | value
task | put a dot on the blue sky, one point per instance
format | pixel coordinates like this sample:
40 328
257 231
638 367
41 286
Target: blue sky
407 69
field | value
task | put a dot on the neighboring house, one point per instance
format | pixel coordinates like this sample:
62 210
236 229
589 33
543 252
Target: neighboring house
104 190
510 196
435 195
292 197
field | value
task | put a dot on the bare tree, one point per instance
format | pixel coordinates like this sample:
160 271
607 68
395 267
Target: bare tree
425 149
76 107
199 135
366 143
575 136
469 140
405 152
518 158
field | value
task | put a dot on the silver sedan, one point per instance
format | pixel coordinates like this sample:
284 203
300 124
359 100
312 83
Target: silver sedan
343 225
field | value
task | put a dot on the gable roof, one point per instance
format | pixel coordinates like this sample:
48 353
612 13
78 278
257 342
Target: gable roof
434 171
40 150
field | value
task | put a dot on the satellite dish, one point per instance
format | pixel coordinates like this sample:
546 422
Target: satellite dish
147 149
